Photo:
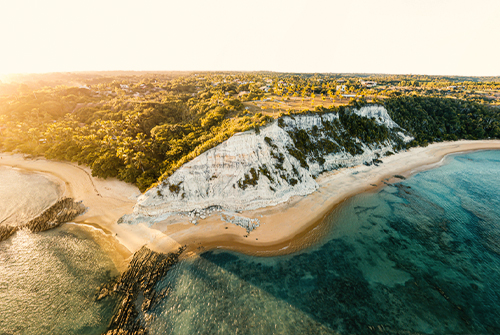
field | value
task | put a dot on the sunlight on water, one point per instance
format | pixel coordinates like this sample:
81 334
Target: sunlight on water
24 195
48 280
420 256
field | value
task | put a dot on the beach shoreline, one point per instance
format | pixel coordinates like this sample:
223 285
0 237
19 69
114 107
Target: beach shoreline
285 228
106 201
296 224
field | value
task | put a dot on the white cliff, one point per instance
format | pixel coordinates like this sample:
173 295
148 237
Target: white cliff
379 114
252 170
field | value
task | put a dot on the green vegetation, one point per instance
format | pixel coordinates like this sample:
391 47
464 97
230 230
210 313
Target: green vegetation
338 135
251 179
140 127
139 142
434 120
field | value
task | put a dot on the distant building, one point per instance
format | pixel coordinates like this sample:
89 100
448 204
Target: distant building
341 88
368 83
123 86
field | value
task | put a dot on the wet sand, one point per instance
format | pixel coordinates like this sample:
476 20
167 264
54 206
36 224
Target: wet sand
284 228
106 200
291 226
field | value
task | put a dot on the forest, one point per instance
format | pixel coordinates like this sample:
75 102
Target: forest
141 127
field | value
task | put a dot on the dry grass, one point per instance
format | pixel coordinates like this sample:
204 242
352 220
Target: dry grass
272 105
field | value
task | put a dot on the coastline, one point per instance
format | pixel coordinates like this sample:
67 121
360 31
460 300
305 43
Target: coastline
106 201
296 224
284 228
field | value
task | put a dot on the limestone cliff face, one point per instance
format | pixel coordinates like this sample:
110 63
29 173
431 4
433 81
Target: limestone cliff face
252 170
379 113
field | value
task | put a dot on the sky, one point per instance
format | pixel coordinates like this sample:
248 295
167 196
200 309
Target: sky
438 37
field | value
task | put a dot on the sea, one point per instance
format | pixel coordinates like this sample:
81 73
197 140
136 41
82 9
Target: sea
418 256
48 280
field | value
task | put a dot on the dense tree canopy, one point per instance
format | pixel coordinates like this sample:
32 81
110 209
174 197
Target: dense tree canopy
141 128
434 119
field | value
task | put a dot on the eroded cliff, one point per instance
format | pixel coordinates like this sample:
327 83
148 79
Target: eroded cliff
267 167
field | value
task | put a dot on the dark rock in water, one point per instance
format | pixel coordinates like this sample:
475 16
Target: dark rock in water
399 176
403 188
64 210
137 285
6 231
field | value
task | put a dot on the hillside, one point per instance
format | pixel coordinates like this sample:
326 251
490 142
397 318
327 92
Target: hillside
262 168
142 127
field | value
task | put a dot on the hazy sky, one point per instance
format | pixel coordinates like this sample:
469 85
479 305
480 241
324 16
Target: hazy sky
448 37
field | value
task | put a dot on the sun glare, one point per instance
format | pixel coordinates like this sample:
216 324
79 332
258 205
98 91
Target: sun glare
386 36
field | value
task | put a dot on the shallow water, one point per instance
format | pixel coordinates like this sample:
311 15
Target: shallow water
48 280
421 256
24 195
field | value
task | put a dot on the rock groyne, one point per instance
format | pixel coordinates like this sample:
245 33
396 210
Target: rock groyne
64 210
136 286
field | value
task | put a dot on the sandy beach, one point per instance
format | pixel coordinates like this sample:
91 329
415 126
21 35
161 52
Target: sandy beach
284 228
106 201
291 226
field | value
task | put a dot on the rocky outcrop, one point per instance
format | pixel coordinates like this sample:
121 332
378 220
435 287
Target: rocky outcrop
247 223
136 286
6 231
268 167
64 210
379 114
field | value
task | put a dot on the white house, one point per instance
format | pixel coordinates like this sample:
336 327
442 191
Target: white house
368 83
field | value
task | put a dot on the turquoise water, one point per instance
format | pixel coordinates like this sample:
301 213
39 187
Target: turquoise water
420 256
48 280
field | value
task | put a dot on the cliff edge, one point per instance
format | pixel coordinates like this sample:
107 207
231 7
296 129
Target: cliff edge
267 167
